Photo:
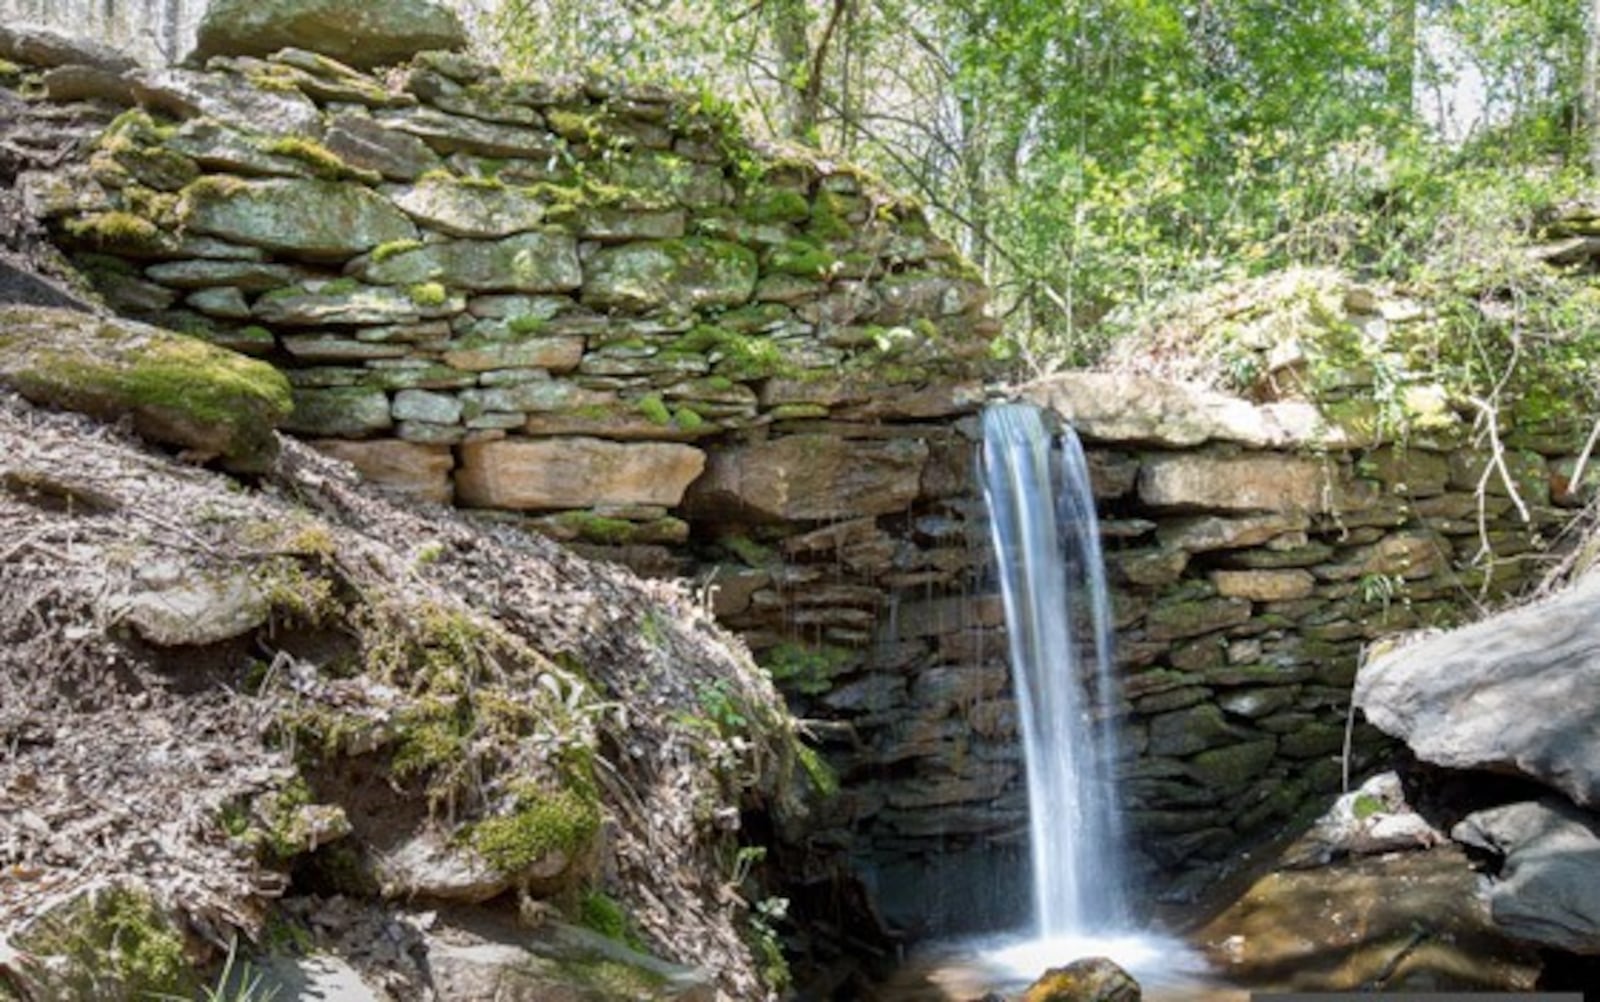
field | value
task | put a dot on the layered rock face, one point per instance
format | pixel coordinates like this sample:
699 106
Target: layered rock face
592 312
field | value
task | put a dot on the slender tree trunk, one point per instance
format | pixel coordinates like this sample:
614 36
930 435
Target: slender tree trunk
790 21
1402 54
1590 96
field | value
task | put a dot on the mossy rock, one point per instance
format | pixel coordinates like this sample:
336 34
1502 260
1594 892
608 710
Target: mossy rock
178 390
113 944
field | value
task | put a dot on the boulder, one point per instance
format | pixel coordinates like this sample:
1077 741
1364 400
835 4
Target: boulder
1518 692
1093 979
317 220
575 473
814 476
363 35
1548 887
178 390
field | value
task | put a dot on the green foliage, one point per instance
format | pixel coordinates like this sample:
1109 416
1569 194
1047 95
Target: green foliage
804 668
115 231
722 707
116 943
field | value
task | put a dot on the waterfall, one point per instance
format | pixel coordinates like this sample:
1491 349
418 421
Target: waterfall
1058 618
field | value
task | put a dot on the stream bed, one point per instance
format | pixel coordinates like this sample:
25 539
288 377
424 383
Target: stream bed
1405 921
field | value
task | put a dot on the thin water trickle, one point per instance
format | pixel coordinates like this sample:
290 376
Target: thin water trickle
1058 619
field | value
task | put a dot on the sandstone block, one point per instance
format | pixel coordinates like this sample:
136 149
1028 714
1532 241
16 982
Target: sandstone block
419 471
575 473
689 273
815 476
1232 483
527 262
1264 586
468 210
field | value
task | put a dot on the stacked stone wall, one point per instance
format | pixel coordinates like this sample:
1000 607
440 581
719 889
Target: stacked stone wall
592 311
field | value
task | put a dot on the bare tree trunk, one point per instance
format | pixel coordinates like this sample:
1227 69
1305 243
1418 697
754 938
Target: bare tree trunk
1402 54
790 21
1590 96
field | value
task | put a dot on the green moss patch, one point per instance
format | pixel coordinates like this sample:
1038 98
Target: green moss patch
178 390
542 823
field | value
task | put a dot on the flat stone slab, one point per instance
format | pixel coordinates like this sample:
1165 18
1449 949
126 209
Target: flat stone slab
575 473
813 476
363 35
1121 407
320 220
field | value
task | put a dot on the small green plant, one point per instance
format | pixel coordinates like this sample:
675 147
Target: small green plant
602 913
238 981
721 707
428 294
1365 806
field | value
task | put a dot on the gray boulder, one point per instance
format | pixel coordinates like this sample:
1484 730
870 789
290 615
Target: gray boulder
359 32
1548 889
1517 693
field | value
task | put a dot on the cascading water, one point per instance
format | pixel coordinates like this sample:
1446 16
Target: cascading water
1058 617
1058 621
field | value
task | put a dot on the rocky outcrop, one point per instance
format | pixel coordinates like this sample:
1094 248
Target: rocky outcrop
360 34
404 711
1519 692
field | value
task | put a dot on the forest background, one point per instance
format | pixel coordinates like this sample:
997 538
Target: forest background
1096 158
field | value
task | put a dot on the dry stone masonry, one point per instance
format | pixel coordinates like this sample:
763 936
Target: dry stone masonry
592 311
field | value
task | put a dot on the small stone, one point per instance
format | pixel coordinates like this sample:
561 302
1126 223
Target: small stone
425 405
553 354
227 302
